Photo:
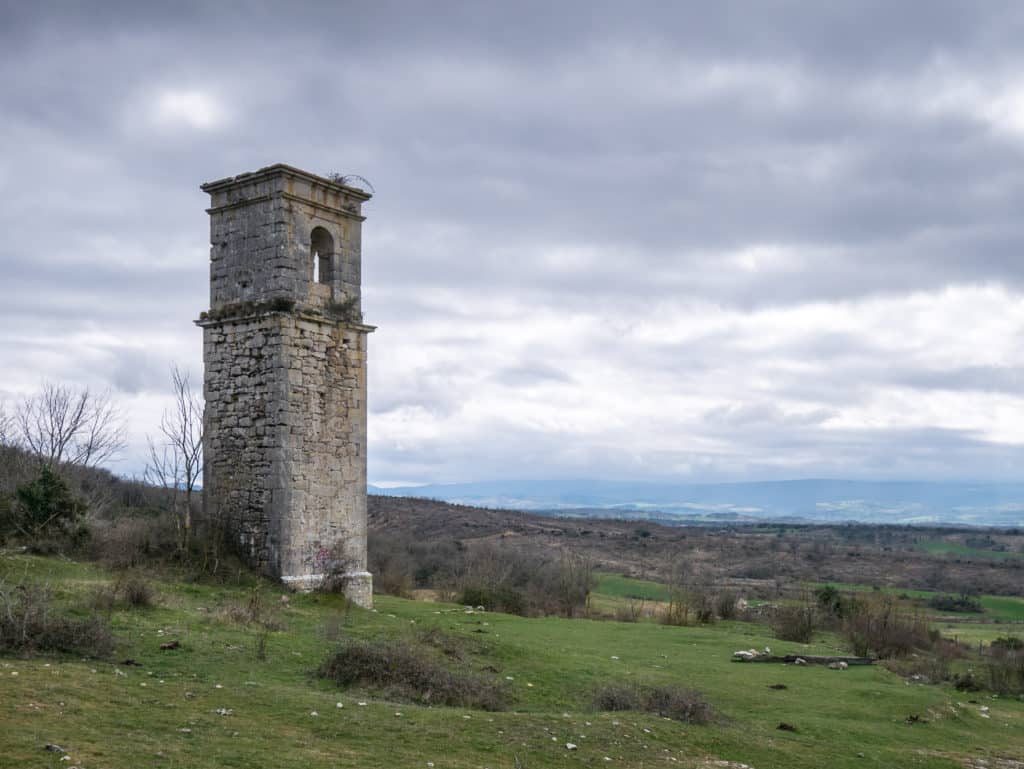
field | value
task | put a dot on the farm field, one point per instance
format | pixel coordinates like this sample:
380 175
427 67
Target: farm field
959 550
214 702
997 608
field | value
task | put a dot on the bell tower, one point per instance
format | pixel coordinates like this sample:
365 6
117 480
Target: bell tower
284 353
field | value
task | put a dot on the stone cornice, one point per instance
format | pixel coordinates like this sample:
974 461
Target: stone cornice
299 315
280 169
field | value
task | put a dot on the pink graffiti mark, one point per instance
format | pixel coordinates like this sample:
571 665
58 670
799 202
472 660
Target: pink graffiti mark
322 558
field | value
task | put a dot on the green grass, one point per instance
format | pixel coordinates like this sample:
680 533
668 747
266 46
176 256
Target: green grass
958 550
162 712
615 585
998 608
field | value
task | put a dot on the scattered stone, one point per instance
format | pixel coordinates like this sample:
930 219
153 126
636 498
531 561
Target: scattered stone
54 748
313 713
799 661
170 646
570 746
224 711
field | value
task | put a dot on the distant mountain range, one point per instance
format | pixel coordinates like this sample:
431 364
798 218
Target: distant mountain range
895 502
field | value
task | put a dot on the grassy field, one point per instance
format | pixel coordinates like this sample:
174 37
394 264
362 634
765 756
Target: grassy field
998 608
958 550
162 711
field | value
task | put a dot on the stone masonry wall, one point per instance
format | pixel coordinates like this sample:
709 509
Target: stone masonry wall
286 431
285 377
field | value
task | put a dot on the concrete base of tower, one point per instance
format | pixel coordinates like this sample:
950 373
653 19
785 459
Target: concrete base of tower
356 585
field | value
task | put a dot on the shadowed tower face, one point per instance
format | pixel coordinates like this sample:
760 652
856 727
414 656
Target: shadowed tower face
284 349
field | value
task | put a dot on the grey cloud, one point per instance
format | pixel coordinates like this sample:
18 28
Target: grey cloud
652 143
528 375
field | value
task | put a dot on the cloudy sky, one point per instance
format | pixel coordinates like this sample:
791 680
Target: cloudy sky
694 241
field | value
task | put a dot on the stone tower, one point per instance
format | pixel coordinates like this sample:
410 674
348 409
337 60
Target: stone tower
284 350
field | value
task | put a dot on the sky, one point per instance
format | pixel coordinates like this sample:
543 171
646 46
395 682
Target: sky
634 241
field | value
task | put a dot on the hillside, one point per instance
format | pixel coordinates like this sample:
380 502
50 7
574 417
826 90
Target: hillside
237 691
756 555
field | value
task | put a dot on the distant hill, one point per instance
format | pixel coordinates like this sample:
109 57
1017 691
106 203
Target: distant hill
900 502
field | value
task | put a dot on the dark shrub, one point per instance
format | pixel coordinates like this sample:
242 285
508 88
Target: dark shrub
958 603
678 704
137 592
614 697
504 599
668 701
29 624
403 669
831 601
1009 643
43 508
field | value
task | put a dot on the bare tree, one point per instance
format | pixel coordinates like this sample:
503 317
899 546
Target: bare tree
61 425
575 581
6 427
176 458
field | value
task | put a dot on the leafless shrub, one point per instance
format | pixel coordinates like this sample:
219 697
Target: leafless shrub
103 599
30 624
176 457
618 697
254 610
138 593
132 541
726 604
689 604
668 701
879 626
796 622
403 669
632 611
393 581
1005 665
131 592
678 612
